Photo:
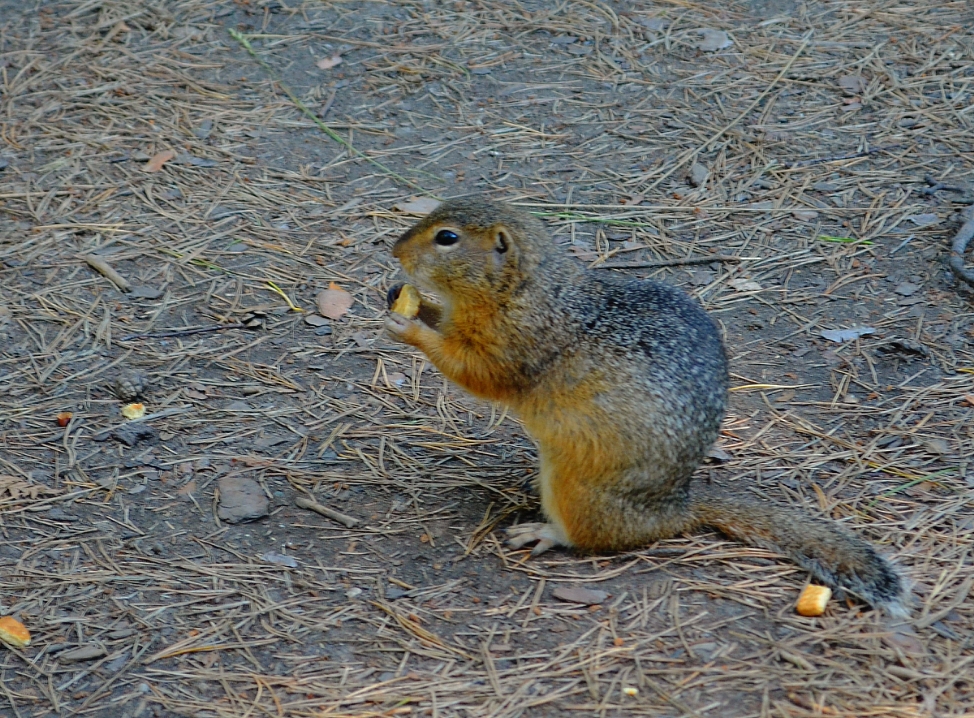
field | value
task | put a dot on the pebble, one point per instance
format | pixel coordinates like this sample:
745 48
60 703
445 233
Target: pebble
241 499
586 596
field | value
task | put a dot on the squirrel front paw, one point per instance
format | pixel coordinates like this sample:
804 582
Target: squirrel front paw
402 328
547 536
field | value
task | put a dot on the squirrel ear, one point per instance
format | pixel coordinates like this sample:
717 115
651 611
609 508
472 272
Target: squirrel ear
505 253
502 241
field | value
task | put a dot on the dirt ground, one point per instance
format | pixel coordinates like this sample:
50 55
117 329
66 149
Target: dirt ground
801 167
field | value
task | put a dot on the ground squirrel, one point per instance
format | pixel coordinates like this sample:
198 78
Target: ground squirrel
622 384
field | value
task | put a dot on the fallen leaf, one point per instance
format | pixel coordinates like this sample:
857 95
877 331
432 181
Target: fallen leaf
241 499
418 205
712 40
846 335
158 160
326 63
587 596
334 302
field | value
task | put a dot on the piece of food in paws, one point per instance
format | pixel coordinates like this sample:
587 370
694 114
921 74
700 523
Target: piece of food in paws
813 600
407 303
13 632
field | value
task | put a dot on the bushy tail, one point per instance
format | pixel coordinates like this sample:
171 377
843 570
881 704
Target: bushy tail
832 555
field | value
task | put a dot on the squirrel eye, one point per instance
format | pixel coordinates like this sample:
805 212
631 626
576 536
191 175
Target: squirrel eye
445 238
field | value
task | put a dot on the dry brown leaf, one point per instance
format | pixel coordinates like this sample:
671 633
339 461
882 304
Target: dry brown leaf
158 160
334 302
326 63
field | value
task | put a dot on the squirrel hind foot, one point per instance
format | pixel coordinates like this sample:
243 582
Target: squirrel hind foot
547 536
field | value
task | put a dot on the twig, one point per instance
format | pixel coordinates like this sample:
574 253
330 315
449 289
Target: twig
902 244
107 271
936 186
346 521
183 332
670 262
327 106
957 249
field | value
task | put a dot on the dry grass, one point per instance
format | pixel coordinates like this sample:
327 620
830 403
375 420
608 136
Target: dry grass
589 113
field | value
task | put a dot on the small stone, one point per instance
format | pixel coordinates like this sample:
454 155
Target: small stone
718 454
937 446
928 219
712 40
58 514
852 84
131 434
698 175
315 320
143 292
280 559
82 653
586 596
804 215
241 499
906 289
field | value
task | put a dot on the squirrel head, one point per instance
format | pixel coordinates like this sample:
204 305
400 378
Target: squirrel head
470 247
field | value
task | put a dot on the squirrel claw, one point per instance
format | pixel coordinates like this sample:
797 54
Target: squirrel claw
397 324
546 535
